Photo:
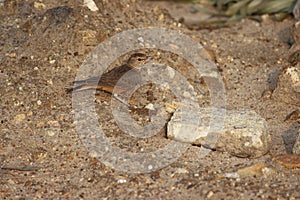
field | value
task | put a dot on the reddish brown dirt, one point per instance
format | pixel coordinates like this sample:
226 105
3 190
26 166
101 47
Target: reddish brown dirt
41 50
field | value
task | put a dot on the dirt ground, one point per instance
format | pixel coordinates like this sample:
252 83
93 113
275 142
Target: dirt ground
43 44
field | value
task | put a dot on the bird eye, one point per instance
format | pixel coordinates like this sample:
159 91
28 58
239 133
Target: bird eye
139 59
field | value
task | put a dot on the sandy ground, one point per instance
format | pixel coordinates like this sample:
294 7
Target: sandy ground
43 45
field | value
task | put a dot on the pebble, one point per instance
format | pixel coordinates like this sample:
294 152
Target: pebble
39 5
255 170
54 124
93 154
12 55
171 107
161 17
288 160
294 73
50 133
244 133
29 113
181 171
19 118
210 194
39 102
91 5
122 181
150 106
141 39
171 72
233 175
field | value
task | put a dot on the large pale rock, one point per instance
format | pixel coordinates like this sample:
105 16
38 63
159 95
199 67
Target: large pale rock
244 133
296 148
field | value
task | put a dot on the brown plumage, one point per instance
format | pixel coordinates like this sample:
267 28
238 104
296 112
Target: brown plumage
108 80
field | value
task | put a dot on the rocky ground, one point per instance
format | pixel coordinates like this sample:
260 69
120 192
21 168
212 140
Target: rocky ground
44 43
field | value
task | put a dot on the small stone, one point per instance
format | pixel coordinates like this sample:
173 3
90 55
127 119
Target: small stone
53 123
150 167
210 194
233 175
40 124
50 132
266 18
181 171
230 58
267 171
122 181
150 106
161 17
88 36
19 118
294 73
289 160
91 5
171 72
171 107
50 82
10 181
30 113
93 154
39 102
141 39
244 133
187 94
39 5
12 55
254 170
258 169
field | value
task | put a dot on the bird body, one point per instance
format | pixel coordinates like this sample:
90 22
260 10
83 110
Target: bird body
108 80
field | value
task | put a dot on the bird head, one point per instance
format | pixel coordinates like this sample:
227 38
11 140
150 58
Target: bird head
138 60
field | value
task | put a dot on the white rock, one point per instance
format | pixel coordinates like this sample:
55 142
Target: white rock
150 106
122 181
294 73
141 39
91 5
244 133
50 133
39 102
171 72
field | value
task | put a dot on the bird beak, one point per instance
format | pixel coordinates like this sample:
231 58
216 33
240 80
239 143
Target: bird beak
149 58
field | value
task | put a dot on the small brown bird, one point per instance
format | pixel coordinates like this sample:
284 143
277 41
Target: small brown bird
108 80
